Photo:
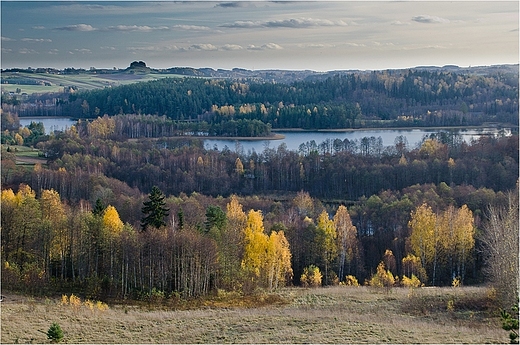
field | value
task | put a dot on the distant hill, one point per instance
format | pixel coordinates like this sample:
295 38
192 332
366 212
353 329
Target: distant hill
41 79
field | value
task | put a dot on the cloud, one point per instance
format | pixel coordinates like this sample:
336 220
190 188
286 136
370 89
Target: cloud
398 22
77 27
6 50
53 52
429 19
107 48
39 27
285 23
133 28
36 40
27 51
203 46
233 4
7 39
268 46
191 27
231 47
80 51
156 48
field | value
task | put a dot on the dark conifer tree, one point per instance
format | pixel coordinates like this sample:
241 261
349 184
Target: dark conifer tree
98 208
154 210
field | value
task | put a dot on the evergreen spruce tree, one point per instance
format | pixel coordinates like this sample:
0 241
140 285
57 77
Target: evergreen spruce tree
55 334
154 210
98 208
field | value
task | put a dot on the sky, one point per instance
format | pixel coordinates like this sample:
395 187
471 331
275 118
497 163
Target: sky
286 35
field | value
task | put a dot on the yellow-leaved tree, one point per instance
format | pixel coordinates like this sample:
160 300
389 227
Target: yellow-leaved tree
278 263
112 228
326 241
230 245
425 238
256 243
347 240
54 224
458 238
267 259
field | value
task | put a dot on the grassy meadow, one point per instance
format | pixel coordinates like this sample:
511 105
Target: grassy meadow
294 315
81 81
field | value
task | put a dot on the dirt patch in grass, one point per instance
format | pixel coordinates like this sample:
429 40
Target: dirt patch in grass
296 315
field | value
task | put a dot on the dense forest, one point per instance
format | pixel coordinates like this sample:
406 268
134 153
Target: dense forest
245 107
236 220
129 204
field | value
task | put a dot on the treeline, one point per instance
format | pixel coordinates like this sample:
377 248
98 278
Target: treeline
380 186
381 98
49 244
334 169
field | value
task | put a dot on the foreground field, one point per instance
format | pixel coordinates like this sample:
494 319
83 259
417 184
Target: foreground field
326 315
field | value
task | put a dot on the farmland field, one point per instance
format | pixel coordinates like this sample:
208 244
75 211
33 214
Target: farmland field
295 315
81 81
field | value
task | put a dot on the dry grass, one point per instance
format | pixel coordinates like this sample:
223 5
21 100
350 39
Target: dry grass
326 315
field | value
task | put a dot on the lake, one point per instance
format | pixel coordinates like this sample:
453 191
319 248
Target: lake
293 139
50 124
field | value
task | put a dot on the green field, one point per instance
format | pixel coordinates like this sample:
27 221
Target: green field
81 81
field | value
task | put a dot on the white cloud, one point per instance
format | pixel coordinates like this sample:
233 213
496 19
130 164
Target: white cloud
107 48
7 39
203 46
6 50
191 27
77 27
268 46
429 19
80 51
156 48
286 23
138 28
231 47
398 22
53 52
39 27
36 40
27 51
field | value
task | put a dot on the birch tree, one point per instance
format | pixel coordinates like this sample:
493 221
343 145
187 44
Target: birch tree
347 240
326 241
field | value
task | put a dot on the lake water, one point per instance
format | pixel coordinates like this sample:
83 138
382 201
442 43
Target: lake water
294 139
50 124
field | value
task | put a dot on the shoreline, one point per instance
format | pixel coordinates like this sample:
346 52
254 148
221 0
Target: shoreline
302 130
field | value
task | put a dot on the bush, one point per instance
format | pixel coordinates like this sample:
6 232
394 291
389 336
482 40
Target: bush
412 282
351 281
311 276
382 278
55 334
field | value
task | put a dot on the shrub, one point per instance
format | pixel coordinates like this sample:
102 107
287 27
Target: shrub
510 323
351 281
412 282
456 282
55 334
382 278
101 306
311 276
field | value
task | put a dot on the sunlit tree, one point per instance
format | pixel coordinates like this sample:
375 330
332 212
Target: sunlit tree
326 241
347 240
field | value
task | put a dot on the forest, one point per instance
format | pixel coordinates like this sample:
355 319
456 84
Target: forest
85 217
249 107
129 204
